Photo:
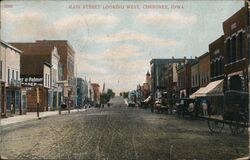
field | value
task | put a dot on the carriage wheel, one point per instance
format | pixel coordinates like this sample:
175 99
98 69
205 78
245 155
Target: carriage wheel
215 126
236 129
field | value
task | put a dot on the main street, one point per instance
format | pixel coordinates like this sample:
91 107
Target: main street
118 132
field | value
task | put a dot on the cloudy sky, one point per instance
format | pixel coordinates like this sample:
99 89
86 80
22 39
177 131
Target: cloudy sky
114 44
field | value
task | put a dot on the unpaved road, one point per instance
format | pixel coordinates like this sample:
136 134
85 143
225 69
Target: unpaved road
118 132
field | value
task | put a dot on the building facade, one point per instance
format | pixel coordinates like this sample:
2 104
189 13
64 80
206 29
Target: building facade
82 92
236 50
204 69
184 79
217 72
67 59
36 70
10 92
170 72
195 76
96 93
145 88
158 80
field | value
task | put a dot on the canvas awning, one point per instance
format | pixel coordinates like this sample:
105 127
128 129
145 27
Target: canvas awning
212 89
146 100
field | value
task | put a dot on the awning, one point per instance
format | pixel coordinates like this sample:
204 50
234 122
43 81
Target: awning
146 100
212 89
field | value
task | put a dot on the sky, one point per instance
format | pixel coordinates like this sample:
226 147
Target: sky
115 41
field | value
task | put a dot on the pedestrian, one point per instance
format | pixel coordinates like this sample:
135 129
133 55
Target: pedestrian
204 108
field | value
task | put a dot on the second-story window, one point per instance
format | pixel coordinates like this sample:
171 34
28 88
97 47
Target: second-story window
233 49
13 75
45 79
228 51
240 45
1 72
8 76
48 81
17 75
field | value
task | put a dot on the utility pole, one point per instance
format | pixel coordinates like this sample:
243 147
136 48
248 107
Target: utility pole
37 101
65 93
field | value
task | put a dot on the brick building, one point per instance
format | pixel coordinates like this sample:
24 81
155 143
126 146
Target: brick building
216 50
184 79
217 74
195 75
10 89
204 69
36 71
236 50
159 73
170 73
96 93
67 60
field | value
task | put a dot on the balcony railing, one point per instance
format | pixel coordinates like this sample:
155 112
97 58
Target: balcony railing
15 83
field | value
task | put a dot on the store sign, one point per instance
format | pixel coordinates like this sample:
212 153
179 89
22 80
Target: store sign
233 26
31 80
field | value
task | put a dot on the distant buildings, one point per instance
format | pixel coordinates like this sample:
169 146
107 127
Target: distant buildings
146 87
184 79
82 92
160 69
204 69
96 93
195 75
10 89
223 69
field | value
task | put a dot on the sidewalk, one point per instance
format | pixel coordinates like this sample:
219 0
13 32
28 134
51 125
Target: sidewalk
33 115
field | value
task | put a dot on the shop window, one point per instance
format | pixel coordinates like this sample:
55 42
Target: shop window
1 72
235 83
17 100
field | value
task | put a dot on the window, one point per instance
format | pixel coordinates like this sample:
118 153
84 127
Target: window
212 69
240 46
48 81
13 74
1 76
8 76
228 51
233 49
16 75
45 80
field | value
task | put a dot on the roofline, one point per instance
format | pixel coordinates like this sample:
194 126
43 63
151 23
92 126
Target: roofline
203 55
10 46
48 64
237 12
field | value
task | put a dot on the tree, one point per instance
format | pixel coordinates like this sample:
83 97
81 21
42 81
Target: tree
105 97
125 94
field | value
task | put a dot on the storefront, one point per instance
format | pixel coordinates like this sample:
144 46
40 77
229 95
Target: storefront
13 100
2 99
214 94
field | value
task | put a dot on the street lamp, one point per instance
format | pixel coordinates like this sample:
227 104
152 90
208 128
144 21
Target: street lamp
64 83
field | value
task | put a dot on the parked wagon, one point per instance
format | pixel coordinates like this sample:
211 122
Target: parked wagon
235 114
186 107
